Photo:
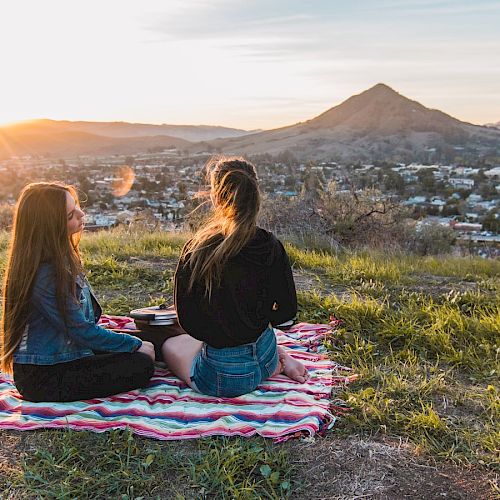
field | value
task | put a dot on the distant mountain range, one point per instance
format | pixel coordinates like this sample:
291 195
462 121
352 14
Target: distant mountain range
67 138
193 133
376 124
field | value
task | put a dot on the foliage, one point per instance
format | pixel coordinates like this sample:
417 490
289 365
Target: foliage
6 215
333 218
240 468
431 239
361 218
492 222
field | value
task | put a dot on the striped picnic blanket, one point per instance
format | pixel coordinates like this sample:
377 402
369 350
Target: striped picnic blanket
168 409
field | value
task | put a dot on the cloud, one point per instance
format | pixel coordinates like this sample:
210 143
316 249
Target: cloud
450 7
282 30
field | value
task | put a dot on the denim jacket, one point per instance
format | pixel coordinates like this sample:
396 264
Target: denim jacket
48 340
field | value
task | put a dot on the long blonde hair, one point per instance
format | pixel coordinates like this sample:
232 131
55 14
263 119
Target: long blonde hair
235 195
40 234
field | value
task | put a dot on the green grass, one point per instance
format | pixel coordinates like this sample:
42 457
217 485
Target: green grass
392 267
110 273
428 368
122 244
422 333
120 465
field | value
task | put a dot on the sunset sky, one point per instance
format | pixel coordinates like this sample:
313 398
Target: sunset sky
246 64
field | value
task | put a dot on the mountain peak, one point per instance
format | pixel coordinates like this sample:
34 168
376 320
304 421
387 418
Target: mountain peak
381 111
380 90
366 106
381 87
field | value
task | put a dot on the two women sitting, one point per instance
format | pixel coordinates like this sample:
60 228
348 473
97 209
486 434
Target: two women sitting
232 284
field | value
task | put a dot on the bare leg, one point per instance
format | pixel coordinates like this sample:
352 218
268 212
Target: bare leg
178 353
291 367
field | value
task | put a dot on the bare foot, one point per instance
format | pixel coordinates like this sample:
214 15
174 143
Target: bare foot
293 368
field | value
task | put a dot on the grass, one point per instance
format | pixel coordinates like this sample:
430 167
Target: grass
119 465
123 244
429 369
422 333
392 268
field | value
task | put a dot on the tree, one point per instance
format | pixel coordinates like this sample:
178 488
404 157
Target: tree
312 185
394 182
286 157
427 180
431 239
181 186
85 186
335 218
487 190
291 182
360 218
492 222
450 209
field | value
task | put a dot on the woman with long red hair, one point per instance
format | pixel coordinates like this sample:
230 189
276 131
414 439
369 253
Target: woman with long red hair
50 341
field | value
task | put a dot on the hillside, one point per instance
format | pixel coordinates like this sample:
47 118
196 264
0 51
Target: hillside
36 141
376 124
67 138
124 129
420 332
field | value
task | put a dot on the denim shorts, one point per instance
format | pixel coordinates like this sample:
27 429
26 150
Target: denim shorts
233 371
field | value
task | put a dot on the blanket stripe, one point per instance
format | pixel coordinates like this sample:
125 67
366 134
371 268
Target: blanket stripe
168 409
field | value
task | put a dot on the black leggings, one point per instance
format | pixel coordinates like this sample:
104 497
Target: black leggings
91 377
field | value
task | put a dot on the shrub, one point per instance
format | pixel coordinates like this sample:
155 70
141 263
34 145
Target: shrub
333 218
430 239
6 215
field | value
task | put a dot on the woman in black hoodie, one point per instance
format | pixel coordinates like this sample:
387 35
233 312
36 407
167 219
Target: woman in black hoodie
232 284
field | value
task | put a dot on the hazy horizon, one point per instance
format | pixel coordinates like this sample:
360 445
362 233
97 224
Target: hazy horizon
226 63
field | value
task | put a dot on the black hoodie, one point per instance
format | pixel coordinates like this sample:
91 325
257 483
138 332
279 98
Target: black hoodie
241 308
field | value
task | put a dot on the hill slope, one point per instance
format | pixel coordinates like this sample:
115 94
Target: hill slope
376 124
125 129
67 138
63 143
423 336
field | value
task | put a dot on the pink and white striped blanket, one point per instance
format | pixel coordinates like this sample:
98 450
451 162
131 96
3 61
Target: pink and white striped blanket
168 409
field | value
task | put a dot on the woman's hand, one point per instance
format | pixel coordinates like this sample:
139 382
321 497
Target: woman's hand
148 349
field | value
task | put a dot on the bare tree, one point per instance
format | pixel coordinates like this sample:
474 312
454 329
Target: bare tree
333 218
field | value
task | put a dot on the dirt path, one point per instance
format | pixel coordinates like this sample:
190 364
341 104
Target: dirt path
348 468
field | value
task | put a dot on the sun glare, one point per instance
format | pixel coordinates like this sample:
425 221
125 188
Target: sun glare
123 180
9 122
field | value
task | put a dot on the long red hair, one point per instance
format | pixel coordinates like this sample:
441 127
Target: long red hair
40 234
